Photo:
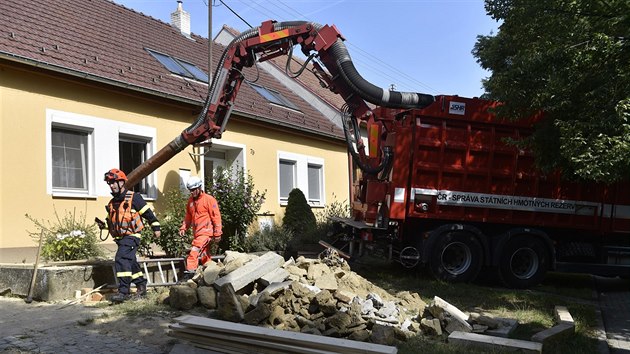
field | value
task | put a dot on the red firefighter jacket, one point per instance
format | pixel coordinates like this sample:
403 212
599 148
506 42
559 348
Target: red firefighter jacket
203 215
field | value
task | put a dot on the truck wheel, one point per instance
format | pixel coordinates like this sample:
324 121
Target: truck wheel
456 257
523 262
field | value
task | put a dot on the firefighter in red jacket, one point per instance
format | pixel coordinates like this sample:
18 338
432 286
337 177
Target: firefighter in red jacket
124 221
204 217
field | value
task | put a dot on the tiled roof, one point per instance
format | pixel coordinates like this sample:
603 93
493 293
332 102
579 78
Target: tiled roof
101 40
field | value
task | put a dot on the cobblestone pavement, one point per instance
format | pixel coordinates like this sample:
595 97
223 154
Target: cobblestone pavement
57 328
53 328
614 302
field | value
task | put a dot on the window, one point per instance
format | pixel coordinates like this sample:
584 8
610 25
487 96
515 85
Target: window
287 179
314 184
131 154
303 172
69 150
180 67
80 148
274 97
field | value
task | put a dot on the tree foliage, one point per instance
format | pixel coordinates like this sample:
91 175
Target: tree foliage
171 219
571 60
239 202
298 217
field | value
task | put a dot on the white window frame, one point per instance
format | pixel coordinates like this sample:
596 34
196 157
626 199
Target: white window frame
88 162
102 155
316 200
301 176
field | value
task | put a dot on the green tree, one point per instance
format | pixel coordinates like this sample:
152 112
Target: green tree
570 60
239 202
298 217
170 221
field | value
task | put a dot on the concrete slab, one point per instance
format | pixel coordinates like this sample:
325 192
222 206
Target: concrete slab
508 325
563 316
251 271
556 332
494 343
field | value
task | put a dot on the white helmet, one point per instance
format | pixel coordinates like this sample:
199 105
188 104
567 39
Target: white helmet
194 182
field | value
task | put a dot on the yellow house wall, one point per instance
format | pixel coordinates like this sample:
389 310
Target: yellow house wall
25 98
262 146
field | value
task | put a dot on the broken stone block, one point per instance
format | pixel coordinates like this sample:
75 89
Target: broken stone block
275 276
258 314
182 297
326 281
485 320
563 316
431 327
207 297
506 327
555 333
344 296
294 270
229 307
211 273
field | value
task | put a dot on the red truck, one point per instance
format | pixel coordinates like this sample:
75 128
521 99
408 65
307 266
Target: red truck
460 197
439 184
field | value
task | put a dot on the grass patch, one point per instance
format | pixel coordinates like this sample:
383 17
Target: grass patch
533 308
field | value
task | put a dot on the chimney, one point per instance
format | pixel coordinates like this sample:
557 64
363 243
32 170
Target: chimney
181 19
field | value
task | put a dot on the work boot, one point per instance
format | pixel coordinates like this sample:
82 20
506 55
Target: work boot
141 291
119 298
188 275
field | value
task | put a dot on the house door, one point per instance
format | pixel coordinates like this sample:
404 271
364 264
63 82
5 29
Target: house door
213 162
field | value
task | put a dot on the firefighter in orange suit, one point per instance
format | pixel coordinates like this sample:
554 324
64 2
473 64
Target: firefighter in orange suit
124 221
204 217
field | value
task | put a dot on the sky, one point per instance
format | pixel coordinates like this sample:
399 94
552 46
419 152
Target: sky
416 45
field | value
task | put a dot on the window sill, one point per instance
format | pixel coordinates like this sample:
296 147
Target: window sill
73 195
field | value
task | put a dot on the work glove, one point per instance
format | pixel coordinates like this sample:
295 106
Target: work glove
100 223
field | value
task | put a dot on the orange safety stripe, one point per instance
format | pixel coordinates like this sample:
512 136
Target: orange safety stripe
274 35
125 220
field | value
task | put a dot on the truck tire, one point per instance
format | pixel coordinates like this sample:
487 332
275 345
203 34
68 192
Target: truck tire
456 257
523 262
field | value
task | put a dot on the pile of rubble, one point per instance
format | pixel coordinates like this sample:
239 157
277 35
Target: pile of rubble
318 296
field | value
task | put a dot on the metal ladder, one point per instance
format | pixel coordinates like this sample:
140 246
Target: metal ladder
162 276
161 271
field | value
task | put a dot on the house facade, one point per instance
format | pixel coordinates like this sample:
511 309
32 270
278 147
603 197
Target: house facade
86 86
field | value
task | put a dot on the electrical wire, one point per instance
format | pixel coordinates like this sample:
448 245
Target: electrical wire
377 70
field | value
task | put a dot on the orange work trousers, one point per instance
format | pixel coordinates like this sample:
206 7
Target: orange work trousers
201 246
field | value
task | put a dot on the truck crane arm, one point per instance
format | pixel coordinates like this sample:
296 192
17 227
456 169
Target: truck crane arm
272 39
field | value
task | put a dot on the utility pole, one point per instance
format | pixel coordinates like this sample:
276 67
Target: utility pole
209 45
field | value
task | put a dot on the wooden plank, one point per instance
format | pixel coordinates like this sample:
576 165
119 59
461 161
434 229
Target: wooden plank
261 345
340 252
493 343
251 271
286 337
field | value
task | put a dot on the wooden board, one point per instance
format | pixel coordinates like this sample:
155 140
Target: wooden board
239 342
302 340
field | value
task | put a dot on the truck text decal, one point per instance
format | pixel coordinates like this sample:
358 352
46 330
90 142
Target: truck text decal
496 201
458 108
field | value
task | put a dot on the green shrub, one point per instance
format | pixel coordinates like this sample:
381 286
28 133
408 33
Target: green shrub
239 202
170 221
309 231
68 239
298 216
268 239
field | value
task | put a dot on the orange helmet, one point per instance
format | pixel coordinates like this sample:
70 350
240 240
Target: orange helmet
115 175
